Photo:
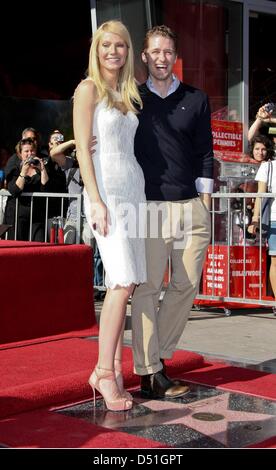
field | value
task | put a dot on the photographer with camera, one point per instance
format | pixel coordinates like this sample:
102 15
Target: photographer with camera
32 134
26 172
264 116
266 178
64 154
30 166
260 150
61 150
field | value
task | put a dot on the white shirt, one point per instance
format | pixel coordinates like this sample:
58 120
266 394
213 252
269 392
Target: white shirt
262 175
173 86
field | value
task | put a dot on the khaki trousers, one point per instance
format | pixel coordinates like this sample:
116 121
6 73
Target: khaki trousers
155 332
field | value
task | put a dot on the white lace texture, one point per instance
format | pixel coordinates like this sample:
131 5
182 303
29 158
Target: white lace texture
121 185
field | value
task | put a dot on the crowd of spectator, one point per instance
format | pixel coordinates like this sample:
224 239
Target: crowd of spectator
262 145
33 170
55 170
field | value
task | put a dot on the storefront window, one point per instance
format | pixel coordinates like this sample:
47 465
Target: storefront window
210 44
210 58
262 63
210 49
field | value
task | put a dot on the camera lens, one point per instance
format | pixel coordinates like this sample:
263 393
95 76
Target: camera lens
34 161
58 138
269 107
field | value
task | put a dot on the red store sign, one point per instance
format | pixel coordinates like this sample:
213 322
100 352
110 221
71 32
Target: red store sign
215 273
227 135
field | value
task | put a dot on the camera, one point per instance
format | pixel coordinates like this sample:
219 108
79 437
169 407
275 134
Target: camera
269 107
34 161
73 154
58 138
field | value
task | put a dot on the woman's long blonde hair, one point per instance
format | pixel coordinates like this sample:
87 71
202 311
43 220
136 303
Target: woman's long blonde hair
127 83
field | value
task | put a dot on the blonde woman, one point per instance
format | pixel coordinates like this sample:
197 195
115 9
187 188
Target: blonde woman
105 105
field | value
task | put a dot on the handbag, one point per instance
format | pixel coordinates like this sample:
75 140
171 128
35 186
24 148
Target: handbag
267 202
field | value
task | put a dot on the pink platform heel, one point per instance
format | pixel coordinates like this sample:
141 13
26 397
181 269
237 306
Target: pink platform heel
118 402
119 379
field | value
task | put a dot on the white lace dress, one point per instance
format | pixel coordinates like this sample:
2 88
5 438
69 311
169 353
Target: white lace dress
121 185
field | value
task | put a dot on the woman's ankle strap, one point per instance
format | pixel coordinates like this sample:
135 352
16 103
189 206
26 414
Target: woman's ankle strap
103 368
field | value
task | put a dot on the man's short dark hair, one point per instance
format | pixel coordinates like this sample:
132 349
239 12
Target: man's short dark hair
31 129
163 31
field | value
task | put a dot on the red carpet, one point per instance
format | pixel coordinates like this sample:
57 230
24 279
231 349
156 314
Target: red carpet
47 292
19 243
38 366
45 429
267 444
56 372
235 379
44 374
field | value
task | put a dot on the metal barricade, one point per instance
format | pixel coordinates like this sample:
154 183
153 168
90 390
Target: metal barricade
234 282
227 275
217 282
235 270
78 226
78 197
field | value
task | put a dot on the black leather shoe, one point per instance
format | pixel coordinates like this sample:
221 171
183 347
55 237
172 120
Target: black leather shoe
158 385
174 381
